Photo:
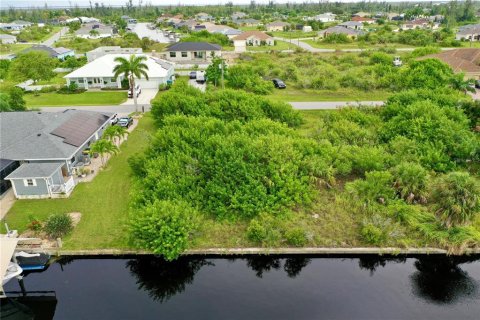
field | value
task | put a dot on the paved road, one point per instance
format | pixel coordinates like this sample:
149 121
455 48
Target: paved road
121 110
330 105
50 41
127 109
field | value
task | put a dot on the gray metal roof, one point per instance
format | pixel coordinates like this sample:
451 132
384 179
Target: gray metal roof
27 135
194 46
5 163
35 170
53 52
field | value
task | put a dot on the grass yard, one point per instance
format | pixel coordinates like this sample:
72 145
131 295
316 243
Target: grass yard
294 34
102 202
279 46
53 99
13 48
291 94
57 80
353 45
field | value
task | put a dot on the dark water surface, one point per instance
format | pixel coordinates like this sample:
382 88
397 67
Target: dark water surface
262 287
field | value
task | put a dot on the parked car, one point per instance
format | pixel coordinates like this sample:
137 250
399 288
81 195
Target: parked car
125 122
279 84
193 75
201 76
114 120
477 84
138 90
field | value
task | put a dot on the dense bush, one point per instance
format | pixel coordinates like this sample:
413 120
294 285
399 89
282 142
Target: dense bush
456 197
410 181
231 170
58 225
164 227
244 77
336 38
377 187
225 104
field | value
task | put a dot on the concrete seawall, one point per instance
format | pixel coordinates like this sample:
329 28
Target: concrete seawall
273 251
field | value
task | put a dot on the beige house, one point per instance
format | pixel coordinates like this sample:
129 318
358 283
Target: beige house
277 26
252 38
466 60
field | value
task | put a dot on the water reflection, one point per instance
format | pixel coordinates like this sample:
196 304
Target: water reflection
264 264
439 279
294 265
161 279
373 262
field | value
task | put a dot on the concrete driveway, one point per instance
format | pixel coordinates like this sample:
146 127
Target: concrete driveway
195 84
143 99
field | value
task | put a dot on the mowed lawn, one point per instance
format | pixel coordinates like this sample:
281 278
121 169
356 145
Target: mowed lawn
53 99
103 202
291 94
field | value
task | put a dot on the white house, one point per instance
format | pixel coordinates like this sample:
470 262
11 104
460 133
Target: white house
16 25
469 32
325 17
7 39
193 52
102 51
99 73
95 31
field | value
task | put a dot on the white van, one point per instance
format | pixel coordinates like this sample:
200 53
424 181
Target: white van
201 76
138 90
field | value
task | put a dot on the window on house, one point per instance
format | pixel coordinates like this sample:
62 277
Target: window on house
113 80
173 54
29 182
81 81
184 54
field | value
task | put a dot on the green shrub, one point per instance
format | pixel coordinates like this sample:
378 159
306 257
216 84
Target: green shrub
456 197
410 180
376 188
265 230
296 237
34 224
373 234
335 38
164 227
58 225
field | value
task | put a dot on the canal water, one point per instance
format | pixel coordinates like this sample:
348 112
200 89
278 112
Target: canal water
260 287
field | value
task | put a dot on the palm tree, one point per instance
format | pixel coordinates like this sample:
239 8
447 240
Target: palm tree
114 133
103 147
459 83
131 68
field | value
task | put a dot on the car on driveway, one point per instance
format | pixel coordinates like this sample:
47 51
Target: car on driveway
125 122
279 84
193 75
138 90
114 120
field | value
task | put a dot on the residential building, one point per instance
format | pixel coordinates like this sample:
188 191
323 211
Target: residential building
351 33
16 25
238 15
418 24
469 32
248 22
202 16
252 38
325 17
307 29
277 26
59 53
465 60
95 31
102 51
7 39
363 20
192 52
99 73
41 151
352 25
362 14
393 16
222 29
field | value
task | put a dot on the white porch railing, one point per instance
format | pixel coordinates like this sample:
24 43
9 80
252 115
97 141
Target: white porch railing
64 187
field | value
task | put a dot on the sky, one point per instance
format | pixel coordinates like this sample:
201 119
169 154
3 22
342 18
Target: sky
83 3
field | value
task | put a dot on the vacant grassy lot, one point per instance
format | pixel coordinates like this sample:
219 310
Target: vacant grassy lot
13 48
354 45
291 94
102 202
279 46
53 99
